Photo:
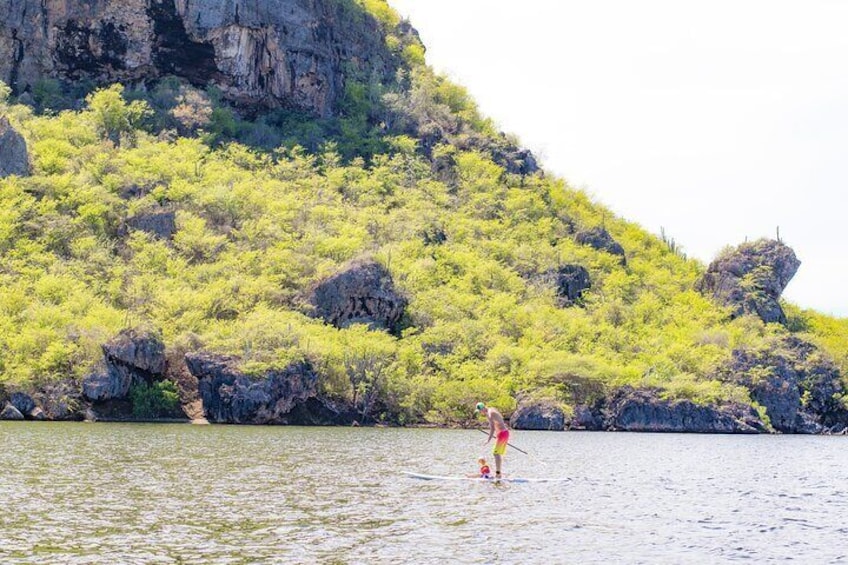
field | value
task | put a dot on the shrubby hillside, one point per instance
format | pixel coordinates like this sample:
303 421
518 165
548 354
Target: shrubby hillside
163 210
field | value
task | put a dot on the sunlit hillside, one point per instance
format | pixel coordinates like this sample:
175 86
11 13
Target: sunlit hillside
266 208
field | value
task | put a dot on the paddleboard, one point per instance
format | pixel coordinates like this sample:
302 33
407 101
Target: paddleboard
424 477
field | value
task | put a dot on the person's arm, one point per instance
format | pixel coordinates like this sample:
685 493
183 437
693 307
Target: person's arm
491 428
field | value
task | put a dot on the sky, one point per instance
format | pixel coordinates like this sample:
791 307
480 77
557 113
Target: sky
715 121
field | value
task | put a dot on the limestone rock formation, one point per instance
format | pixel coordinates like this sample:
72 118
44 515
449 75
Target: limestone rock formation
14 158
571 281
798 385
131 357
642 410
23 402
9 412
59 401
364 294
538 416
267 53
751 278
101 385
232 397
600 239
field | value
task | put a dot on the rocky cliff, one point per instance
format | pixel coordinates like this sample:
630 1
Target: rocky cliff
270 53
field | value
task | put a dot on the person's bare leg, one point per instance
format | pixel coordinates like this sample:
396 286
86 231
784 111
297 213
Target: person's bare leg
497 465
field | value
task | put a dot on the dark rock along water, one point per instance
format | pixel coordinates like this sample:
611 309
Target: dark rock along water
120 493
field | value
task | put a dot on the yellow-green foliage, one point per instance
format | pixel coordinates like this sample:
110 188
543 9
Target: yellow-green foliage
381 10
256 230
831 334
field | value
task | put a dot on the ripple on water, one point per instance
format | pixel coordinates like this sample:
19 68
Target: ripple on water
219 495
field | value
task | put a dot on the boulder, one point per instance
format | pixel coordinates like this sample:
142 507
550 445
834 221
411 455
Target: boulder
9 412
571 281
232 397
23 402
159 223
751 278
600 239
361 294
434 236
265 53
642 410
14 158
133 356
443 168
538 416
797 384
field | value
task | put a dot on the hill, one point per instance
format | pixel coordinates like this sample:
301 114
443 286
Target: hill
353 243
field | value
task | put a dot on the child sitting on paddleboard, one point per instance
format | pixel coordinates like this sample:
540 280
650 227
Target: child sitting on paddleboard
485 472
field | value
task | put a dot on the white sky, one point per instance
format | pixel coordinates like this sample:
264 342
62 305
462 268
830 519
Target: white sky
716 120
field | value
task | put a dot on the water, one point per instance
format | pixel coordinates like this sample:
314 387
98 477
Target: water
181 494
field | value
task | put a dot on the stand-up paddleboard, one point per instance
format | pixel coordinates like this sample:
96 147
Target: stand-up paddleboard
424 477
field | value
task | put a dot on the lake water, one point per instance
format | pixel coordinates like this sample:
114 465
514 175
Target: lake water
181 494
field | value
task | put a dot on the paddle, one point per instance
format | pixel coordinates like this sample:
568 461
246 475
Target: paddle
517 449
509 444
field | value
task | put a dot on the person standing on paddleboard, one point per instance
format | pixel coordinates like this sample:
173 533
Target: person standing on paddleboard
496 424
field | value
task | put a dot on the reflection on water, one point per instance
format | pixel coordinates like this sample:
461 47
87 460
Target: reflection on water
180 494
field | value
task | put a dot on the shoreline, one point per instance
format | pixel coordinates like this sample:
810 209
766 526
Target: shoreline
204 422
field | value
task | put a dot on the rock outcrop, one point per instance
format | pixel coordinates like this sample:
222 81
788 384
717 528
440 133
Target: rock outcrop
751 278
587 418
600 239
9 412
571 281
232 397
642 410
433 123
797 384
131 357
538 416
267 53
14 158
23 403
504 152
159 223
59 401
362 294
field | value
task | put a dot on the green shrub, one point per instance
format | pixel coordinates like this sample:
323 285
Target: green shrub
5 92
154 401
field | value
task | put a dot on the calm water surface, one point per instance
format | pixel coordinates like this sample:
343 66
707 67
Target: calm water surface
181 494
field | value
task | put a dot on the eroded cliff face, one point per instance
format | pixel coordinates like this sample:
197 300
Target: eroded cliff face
259 52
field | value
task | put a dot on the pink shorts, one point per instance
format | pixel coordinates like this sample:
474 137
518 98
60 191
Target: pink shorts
503 439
